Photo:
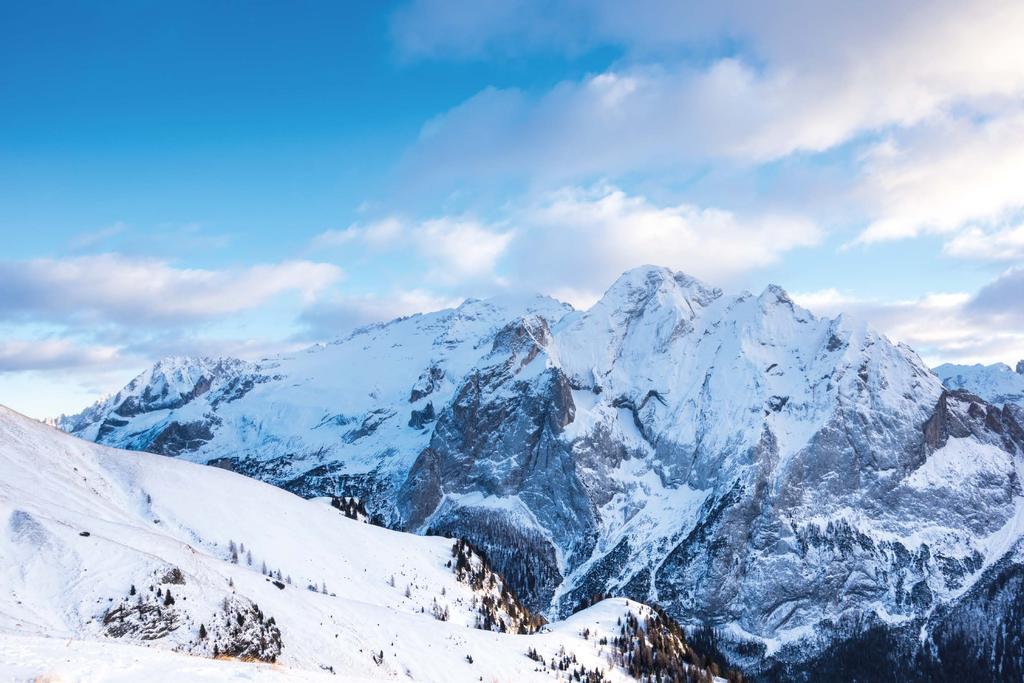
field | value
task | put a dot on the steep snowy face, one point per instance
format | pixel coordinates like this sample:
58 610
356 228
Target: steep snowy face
171 383
735 458
348 417
106 551
703 371
996 383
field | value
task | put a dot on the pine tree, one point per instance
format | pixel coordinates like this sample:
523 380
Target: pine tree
202 631
132 591
168 598
248 557
263 568
233 551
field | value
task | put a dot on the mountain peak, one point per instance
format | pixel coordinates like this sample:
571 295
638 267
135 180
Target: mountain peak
638 286
775 294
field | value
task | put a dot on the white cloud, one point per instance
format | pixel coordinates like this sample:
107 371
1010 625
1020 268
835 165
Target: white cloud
110 287
942 327
461 248
383 233
807 77
577 241
988 245
453 248
574 242
17 355
377 234
332 239
945 176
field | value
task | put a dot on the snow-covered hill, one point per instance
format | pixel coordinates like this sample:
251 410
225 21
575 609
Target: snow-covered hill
996 383
107 552
786 478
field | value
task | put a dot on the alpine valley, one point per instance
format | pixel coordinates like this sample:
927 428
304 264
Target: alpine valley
804 494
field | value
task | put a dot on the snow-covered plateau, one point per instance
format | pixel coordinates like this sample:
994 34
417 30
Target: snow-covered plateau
119 566
805 486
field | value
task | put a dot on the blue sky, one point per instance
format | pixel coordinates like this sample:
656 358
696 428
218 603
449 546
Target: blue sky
242 179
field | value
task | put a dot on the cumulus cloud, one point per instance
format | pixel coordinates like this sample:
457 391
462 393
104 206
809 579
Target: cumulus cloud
988 245
944 176
578 240
110 287
574 242
461 248
454 248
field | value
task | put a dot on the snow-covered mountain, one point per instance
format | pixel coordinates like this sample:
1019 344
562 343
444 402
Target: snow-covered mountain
996 383
107 552
792 480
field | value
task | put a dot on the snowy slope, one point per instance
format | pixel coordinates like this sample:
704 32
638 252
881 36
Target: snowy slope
90 535
996 383
331 418
734 458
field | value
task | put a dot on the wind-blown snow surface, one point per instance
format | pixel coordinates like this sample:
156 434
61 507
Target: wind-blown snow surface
996 383
84 524
736 459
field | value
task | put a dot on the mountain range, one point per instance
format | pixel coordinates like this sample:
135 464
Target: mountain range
805 486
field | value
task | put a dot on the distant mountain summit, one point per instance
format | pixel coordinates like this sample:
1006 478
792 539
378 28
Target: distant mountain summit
793 481
996 383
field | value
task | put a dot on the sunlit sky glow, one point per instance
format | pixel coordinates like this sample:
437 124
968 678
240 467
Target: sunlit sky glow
243 179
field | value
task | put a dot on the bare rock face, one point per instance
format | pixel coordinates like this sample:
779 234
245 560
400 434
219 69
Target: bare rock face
788 479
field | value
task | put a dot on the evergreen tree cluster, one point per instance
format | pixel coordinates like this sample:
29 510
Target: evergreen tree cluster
235 551
523 557
960 644
655 650
563 662
352 508
499 609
